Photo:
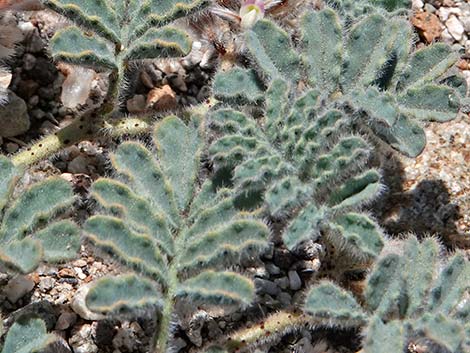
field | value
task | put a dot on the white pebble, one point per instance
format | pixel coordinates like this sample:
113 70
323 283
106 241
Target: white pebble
455 27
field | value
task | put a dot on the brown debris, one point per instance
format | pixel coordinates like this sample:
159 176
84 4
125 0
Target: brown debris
428 26
161 98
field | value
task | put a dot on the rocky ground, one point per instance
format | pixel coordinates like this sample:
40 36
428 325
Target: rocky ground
431 193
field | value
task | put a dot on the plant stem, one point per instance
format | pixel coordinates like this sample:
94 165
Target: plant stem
160 340
273 326
78 130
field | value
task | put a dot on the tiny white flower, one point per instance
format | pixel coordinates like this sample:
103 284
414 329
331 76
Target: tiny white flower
251 12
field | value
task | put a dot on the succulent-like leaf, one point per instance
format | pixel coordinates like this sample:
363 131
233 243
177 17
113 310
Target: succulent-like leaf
384 337
385 285
419 271
328 304
430 102
211 288
122 295
160 42
175 143
271 49
8 174
138 251
448 333
73 46
451 285
426 65
160 223
98 16
323 40
27 335
25 236
238 86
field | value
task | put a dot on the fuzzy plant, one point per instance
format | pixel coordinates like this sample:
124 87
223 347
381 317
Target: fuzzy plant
367 70
413 301
176 236
28 234
351 9
28 335
108 36
411 296
298 167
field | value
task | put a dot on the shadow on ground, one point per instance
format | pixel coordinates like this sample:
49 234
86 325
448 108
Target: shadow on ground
424 210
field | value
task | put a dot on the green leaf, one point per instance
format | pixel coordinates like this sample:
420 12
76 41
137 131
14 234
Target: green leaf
419 271
147 178
37 203
73 46
60 241
365 50
179 152
359 233
8 174
135 250
430 103
451 285
160 42
446 332
392 5
385 286
380 106
94 15
305 226
238 86
122 295
384 337
225 242
218 288
330 305
406 136
322 42
27 335
116 197
21 255
272 52
426 65
157 13
356 190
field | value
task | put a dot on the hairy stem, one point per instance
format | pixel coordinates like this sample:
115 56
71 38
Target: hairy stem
162 334
273 326
81 129
77 131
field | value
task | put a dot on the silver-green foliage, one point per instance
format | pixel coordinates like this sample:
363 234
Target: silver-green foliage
356 8
176 236
115 32
28 335
27 235
410 293
295 162
369 71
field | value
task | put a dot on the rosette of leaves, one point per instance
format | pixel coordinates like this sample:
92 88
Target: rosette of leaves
177 237
297 165
110 34
367 70
28 233
411 297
